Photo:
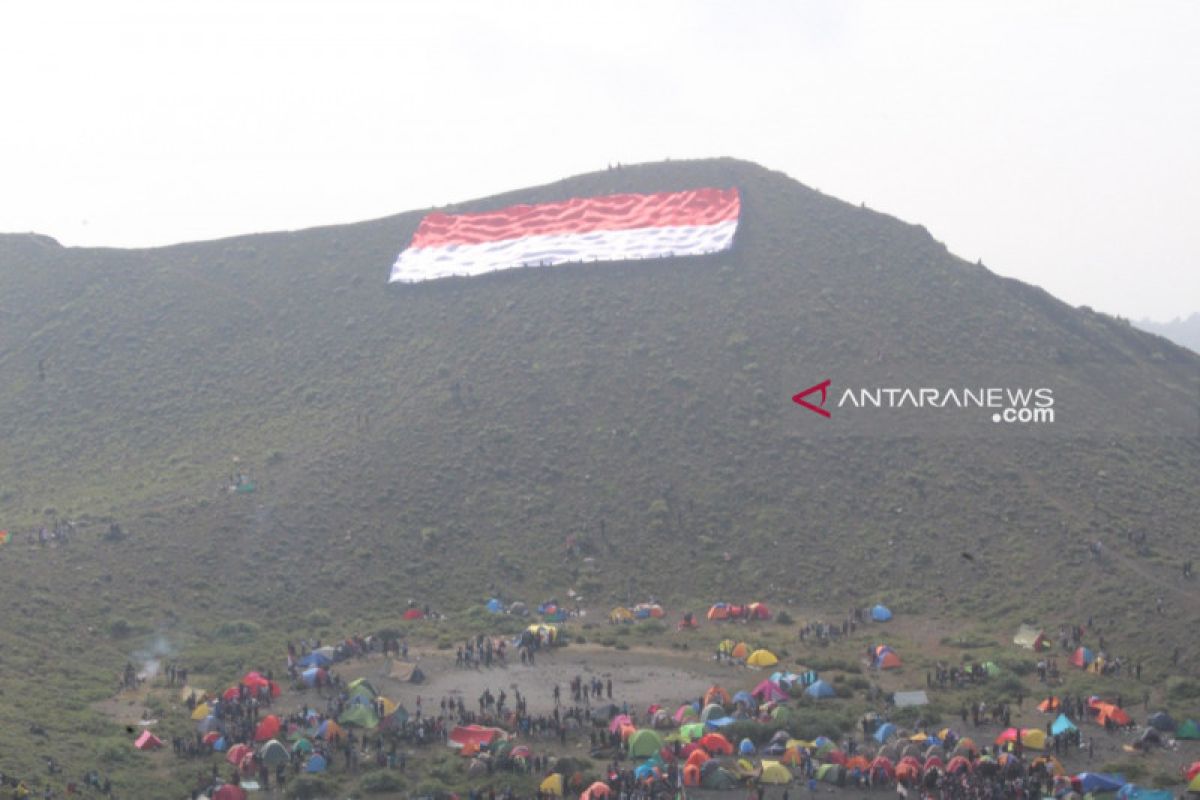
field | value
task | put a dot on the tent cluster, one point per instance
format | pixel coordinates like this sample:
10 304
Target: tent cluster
720 612
743 654
1031 638
497 606
640 611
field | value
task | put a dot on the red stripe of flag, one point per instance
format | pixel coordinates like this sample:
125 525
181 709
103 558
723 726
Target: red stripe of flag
581 215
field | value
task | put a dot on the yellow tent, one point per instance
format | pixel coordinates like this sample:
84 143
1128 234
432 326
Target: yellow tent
1034 737
388 706
744 767
762 658
186 692
620 614
552 784
774 772
1053 765
1194 786
920 737
200 712
740 650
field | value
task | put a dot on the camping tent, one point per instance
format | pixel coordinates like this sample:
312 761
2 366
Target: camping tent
405 672
644 743
1162 721
716 694
315 659
229 792
758 611
477 735
1062 725
774 772
1188 729
553 784
1098 782
719 611
881 613
495 606
316 763
620 614
767 691
268 728
1031 638
885 732
887 660
147 741
273 753
359 716
819 690
1082 657
914 698
762 658
1049 705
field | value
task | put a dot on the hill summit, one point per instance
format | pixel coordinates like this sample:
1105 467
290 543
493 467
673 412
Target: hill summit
620 429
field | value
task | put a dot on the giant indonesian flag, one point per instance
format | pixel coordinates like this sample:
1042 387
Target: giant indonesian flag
617 227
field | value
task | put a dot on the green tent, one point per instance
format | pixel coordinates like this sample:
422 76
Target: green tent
781 714
1188 729
718 778
302 745
360 716
362 685
691 732
644 743
991 668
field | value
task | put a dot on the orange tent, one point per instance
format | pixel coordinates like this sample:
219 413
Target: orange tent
716 694
697 758
691 775
889 661
740 650
1108 711
718 612
791 757
1050 705
858 761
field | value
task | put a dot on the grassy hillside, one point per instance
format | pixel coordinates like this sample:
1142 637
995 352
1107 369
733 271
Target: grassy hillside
445 441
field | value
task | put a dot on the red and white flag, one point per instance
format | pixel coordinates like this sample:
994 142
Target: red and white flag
618 227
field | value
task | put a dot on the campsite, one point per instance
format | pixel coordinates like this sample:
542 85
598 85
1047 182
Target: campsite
686 400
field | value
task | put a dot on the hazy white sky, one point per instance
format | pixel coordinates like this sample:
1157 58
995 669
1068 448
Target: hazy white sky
1057 141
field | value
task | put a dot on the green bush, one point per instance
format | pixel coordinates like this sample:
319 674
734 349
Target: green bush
318 618
1181 689
310 787
381 781
237 630
784 618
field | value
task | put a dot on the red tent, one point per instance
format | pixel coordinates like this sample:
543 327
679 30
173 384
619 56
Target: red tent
716 744
237 753
229 792
476 735
268 728
888 660
147 741
414 613
758 611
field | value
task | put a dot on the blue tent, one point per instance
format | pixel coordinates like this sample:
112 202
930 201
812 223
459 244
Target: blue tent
1131 791
495 606
745 698
310 675
722 722
1062 725
820 689
885 732
881 613
315 764
1099 782
315 660
219 745
746 748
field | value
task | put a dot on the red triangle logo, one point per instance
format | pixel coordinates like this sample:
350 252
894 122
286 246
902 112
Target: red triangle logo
821 387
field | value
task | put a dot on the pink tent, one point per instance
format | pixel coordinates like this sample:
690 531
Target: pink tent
147 741
768 692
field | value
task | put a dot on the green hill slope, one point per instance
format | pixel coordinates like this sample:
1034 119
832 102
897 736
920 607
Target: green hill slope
447 440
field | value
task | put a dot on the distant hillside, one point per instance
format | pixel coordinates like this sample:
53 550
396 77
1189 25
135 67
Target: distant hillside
1184 332
447 441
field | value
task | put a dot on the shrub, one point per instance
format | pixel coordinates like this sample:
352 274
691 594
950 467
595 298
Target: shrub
119 628
309 787
381 781
318 618
784 618
1180 689
237 630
